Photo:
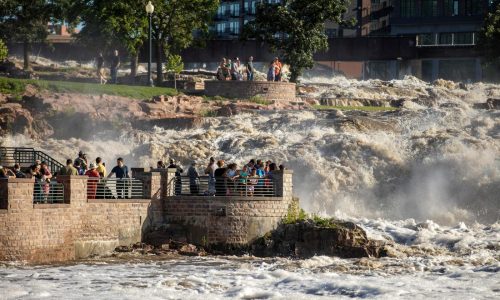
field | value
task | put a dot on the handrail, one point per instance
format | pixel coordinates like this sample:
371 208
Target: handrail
48 192
25 157
223 187
114 188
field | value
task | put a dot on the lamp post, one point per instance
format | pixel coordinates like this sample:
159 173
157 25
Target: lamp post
149 10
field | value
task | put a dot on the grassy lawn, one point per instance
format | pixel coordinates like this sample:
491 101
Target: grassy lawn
364 108
17 86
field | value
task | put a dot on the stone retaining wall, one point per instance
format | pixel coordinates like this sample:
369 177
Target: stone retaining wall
78 228
230 221
280 91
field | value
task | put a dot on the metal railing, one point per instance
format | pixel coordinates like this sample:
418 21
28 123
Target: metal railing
114 188
48 192
26 157
224 187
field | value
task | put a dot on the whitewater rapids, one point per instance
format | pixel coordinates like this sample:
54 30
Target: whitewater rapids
426 178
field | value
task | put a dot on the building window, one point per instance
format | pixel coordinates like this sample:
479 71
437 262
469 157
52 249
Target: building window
464 38
445 38
450 7
426 39
235 10
234 27
473 7
408 8
429 8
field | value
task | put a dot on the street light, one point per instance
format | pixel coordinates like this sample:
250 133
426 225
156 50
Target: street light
149 10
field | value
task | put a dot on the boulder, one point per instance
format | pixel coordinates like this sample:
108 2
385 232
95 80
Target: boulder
308 238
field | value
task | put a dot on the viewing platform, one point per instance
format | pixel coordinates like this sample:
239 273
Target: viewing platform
76 217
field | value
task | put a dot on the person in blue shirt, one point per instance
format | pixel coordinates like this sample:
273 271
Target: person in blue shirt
121 173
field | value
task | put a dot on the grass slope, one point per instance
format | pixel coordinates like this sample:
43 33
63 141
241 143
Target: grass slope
17 86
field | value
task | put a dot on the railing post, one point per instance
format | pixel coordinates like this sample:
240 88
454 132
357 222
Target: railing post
283 186
16 194
75 188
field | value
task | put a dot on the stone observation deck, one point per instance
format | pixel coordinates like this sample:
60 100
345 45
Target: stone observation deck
81 225
273 91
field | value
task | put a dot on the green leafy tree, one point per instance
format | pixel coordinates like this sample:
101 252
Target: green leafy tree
295 29
175 24
3 51
174 66
111 23
26 21
489 36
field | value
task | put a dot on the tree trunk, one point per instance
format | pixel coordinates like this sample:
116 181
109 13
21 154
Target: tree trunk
134 65
175 81
159 64
26 51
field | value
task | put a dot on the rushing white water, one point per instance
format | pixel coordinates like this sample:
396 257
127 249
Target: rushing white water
442 263
426 178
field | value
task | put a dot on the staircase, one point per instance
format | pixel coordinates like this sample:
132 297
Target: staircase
25 157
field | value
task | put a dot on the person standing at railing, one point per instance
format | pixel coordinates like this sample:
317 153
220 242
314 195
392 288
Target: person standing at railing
46 177
94 176
210 171
178 180
81 160
18 172
101 168
194 177
220 179
6 173
232 175
243 175
121 173
69 169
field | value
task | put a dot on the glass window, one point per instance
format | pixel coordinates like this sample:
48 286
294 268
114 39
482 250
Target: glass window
445 38
464 38
426 39
408 8
429 8
450 7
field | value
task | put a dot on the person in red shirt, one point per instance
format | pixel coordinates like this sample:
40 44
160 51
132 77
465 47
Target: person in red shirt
93 175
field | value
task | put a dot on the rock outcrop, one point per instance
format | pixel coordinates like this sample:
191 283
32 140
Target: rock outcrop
308 238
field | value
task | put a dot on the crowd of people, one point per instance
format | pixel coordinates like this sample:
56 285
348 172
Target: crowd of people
220 178
233 70
253 178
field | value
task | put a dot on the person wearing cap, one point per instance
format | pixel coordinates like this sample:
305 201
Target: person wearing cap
81 160
194 185
94 176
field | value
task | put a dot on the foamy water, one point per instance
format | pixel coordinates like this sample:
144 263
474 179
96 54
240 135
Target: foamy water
425 178
439 263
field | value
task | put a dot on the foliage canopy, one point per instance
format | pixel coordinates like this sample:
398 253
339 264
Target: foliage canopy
295 29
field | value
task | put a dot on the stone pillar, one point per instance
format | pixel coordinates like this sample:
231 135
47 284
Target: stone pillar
283 184
16 194
75 189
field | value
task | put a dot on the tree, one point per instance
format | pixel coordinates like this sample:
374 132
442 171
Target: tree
107 23
174 66
26 21
489 36
295 29
3 51
175 23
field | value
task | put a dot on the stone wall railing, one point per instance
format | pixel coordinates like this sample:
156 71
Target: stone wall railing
275 91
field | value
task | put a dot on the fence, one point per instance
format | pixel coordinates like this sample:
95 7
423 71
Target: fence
249 187
26 157
48 192
114 188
